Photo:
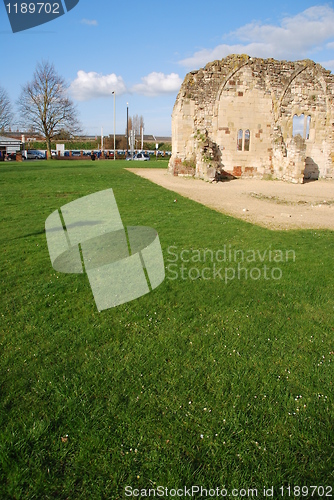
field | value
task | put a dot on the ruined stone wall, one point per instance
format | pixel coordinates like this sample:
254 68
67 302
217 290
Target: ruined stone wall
236 116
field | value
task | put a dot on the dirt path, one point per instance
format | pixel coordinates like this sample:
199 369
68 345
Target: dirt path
272 204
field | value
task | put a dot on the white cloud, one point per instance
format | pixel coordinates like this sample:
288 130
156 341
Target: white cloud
328 65
89 22
295 38
91 85
158 83
202 57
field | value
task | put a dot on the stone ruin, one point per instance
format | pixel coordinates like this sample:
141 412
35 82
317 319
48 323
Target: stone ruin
251 117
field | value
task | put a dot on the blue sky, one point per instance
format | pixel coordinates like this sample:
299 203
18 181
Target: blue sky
143 50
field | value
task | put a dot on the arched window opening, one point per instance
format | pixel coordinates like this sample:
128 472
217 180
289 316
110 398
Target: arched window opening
298 125
247 140
239 140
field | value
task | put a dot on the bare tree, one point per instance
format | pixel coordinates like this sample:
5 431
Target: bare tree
129 124
6 114
141 123
136 123
45 106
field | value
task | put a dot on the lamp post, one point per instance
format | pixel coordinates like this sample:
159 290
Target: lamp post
114 124
127 126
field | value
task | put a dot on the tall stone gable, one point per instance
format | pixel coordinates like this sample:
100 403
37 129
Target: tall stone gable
237 117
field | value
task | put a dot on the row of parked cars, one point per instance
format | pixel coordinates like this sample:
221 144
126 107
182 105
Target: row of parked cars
27 155
32 154
140 156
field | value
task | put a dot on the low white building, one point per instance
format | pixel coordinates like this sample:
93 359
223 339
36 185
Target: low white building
8 145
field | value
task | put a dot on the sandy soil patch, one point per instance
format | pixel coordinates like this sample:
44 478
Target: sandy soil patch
272 204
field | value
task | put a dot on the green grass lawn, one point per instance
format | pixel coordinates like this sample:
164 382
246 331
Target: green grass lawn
210 382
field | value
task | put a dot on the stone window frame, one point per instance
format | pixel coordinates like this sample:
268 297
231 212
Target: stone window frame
240 140
307 124
247 140
243 143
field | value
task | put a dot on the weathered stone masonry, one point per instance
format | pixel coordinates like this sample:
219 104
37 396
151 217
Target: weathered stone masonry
235 117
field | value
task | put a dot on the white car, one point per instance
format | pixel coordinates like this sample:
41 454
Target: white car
141 157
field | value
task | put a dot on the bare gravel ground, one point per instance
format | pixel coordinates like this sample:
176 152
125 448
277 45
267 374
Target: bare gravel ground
275 205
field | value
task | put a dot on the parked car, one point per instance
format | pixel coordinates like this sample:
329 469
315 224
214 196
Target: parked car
39 155
11 157
32 154
141 157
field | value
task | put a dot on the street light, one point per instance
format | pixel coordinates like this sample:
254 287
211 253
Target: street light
127 127
114 124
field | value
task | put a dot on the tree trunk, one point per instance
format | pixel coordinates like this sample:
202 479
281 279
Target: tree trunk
48 148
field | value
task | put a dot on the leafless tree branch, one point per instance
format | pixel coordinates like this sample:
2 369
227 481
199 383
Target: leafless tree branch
45 106
6 114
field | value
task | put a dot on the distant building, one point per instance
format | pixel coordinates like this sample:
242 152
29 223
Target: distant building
8 145
159 139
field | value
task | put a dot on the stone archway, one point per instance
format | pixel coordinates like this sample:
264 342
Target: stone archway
305 99
243 120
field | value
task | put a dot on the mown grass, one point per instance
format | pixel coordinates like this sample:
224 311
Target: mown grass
199 382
